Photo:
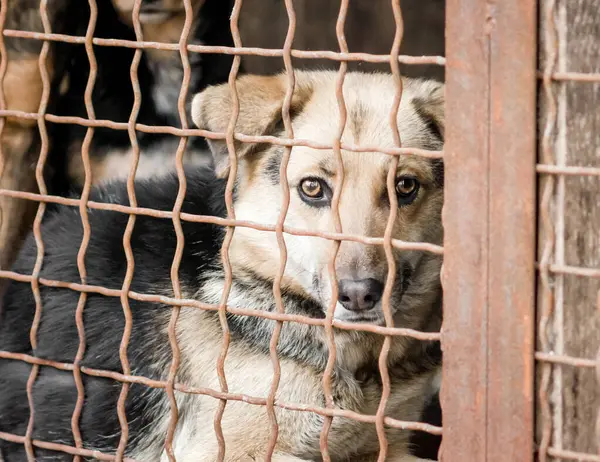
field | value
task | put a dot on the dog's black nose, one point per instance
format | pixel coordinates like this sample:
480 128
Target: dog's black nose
359 294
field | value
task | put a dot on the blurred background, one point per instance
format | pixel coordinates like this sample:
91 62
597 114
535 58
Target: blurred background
370 28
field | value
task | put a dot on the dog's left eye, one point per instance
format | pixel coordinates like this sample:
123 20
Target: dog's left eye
314 191
312 188
407 189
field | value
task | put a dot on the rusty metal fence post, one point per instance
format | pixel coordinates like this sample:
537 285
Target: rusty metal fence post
489 219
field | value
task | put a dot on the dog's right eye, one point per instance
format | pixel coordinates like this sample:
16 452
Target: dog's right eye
314 191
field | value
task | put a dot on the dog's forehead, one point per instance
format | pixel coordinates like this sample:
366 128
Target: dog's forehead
369 105
369 102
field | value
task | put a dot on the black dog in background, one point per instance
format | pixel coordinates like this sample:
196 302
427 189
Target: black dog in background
160 74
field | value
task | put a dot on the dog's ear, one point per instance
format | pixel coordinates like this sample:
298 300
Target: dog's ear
429 105
260 101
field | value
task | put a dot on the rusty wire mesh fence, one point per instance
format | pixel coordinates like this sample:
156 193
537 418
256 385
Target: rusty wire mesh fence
380 420
489 307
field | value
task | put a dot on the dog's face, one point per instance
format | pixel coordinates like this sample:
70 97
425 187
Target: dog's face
155 11
312 175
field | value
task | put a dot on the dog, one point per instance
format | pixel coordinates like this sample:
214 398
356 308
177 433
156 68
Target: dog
160 75
254 257
160 78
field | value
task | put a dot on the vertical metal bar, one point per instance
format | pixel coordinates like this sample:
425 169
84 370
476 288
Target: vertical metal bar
512 231
387 239
287 122
137 101
489 221
85 157
335 211
37 230
558 283
464 276
547 227
229 138
181 148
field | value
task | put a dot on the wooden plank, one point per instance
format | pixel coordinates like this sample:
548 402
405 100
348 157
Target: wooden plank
489 219
574 328
582 227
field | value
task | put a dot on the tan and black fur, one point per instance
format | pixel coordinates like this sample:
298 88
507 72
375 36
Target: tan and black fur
22 89
160 75
254 257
